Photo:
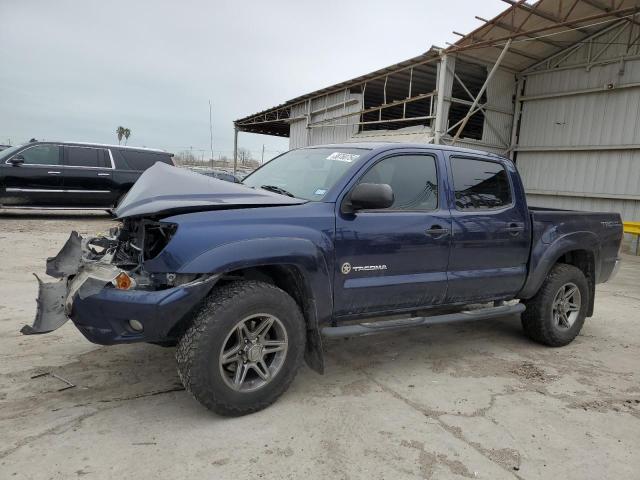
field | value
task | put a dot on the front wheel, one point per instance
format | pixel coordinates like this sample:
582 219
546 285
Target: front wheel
555 315
243 349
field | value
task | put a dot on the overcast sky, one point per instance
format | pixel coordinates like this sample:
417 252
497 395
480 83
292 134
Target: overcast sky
75 70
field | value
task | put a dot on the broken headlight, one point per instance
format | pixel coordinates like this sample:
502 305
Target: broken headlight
156 236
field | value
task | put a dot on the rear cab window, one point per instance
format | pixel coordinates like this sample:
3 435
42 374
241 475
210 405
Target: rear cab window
480 184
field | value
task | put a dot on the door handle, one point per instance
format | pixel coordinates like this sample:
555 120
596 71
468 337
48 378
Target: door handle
53 173
515 229
437 231
104 174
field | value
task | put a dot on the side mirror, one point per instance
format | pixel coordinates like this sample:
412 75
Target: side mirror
370 196
17 160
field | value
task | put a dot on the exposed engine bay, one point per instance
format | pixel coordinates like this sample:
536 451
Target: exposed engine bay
125 248
85 266
102 278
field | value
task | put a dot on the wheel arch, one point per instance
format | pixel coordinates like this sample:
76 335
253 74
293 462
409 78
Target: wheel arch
583 260
295 265
580 249
291 279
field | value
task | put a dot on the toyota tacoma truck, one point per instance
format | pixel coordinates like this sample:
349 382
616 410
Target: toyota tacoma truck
328 241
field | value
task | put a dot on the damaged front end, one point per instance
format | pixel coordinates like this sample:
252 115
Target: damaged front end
105 290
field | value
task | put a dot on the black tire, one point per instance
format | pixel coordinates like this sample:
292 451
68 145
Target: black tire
200 348
538 319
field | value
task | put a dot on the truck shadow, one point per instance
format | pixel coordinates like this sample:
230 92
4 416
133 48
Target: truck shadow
441 342
127 372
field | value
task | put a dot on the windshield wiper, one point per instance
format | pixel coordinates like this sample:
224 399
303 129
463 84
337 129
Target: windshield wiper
276 189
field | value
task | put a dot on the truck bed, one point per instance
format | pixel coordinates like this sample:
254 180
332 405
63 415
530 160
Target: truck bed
555 230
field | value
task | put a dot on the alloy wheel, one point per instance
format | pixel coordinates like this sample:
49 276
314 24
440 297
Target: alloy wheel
566 306
253 352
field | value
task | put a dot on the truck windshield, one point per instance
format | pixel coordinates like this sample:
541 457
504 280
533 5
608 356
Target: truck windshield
307 173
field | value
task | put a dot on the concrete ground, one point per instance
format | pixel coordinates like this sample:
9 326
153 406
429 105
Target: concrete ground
467 401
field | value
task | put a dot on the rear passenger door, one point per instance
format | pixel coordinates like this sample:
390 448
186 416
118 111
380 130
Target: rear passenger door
88 178
490 242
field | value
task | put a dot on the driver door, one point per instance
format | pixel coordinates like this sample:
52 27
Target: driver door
396 258
37 180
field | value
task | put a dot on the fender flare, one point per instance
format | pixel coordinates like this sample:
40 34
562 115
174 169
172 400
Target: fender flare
544 256
303 254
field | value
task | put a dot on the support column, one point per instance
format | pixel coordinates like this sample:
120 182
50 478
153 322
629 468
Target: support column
516 119
445 83
235 150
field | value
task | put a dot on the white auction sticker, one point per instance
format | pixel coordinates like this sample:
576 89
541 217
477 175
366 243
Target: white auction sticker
343 157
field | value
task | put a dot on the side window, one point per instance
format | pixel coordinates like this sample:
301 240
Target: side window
105 159
143 160
413 179
83 157
480 185
41 155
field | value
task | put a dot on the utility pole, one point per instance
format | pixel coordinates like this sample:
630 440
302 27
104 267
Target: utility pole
211 132
262 159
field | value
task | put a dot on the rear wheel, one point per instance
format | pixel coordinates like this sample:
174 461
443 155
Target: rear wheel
555 315
243 349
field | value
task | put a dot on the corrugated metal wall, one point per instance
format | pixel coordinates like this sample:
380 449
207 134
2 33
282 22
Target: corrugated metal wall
496 134
500 92
495 137
324 108
577 151
580 151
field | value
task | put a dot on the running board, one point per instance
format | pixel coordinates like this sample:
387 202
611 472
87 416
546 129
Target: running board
15 207
372 328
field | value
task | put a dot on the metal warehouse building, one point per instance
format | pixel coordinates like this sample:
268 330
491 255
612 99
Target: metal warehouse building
554 84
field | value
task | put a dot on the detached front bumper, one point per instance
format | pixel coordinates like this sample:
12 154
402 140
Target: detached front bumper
103 314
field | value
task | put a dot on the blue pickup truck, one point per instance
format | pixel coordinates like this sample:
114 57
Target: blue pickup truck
329 241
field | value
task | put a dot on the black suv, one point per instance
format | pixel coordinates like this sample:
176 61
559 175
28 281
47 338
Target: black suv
71 175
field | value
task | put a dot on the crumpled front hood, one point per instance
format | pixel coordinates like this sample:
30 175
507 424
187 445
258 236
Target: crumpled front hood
164 189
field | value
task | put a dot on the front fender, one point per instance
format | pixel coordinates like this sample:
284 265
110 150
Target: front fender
545 255
300 253
256 252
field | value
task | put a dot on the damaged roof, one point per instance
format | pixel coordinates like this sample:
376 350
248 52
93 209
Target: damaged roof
539 30
542 29
275 119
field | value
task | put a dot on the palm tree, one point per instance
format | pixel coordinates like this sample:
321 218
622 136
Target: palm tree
127 134
120 133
